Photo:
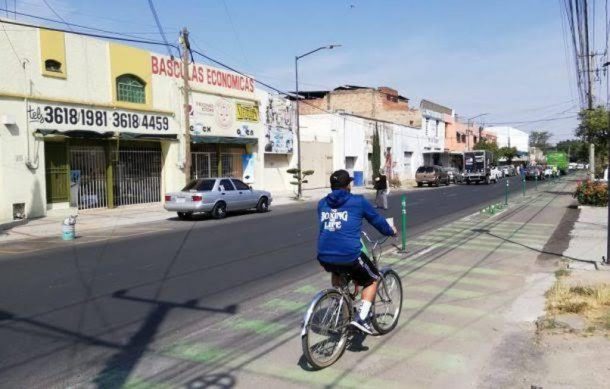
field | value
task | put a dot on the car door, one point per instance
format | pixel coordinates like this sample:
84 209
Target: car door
229 195
247 198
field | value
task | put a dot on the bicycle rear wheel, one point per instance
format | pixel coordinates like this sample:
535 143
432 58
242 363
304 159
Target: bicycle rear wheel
388 302
324 335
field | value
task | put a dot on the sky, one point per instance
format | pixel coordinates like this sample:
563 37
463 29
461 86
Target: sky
507 59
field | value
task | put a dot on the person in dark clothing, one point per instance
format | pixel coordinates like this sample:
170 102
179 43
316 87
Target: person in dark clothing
381 184
340 216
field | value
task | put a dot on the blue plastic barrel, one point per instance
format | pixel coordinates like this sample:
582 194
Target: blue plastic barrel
358 178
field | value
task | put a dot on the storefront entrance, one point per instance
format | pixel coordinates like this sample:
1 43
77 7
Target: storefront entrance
57 172
217 160
88 176
137 173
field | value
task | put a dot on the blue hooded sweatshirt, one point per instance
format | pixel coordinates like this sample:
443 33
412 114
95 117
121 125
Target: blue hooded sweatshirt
340 216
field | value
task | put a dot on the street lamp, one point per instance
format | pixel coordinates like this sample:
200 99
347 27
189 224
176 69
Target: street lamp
296 72
468 124
608 184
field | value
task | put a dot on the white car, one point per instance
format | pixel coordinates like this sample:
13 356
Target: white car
495 174
548 172
580 166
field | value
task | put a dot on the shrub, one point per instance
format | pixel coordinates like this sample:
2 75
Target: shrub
592 193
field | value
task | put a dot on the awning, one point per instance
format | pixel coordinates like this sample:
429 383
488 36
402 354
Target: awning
88 134
223 139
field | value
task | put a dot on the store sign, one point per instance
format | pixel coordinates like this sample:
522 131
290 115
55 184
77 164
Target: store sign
279 120
247 112
62 117
219 116
203 77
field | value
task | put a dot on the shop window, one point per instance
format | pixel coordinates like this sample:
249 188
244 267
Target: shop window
130 89
52 65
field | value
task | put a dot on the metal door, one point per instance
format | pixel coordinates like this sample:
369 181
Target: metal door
137 174
203 165
56 174
88 176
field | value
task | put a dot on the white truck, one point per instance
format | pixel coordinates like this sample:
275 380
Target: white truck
478 167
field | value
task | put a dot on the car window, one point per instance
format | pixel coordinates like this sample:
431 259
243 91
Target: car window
191 185
205 185
240 185
421 169
226 185
429 169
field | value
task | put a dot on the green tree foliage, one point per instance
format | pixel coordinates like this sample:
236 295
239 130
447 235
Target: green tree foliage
507 152
376 159
577 150
540 139
593 128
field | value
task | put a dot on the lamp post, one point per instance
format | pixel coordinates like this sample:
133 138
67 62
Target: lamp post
468 126
296 73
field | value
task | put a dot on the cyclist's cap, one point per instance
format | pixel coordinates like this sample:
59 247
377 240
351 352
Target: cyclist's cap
340 179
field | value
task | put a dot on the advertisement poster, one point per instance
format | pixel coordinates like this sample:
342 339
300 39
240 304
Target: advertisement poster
279 121
221 116
248 167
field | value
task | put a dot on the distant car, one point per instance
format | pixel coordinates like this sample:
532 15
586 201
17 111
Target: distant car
548 172
431 175
455 175
534 173
580 166
508 170
495 174
572 165
216 196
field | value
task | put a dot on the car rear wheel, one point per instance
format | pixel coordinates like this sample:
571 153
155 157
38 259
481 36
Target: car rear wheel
263 205
185 215
420 184
219 211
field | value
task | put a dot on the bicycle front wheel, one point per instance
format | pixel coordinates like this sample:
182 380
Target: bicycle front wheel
388 302
324 335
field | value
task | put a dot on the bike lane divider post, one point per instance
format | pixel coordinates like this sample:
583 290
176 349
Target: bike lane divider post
523 185
506 193
403 204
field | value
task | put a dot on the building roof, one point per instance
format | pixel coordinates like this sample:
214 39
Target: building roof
432 106
322 93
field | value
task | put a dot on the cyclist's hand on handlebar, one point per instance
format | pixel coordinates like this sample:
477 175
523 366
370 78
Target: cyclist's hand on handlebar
395 232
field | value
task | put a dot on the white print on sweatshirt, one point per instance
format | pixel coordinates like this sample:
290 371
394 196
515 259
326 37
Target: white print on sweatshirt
332 220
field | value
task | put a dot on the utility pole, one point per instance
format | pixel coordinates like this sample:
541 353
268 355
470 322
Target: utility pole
186 49
588 58
592 161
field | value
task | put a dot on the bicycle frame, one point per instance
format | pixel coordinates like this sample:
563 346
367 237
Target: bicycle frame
345 298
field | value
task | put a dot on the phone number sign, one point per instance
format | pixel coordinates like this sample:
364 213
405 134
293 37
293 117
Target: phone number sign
67 118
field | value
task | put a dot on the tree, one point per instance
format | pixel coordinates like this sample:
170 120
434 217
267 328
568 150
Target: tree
593 128
540 139
507 152
376 159
484 144
576 149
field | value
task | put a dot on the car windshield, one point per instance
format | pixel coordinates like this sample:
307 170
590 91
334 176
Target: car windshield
199 185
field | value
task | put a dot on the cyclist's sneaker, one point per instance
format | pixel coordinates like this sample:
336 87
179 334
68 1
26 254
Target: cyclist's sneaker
362 325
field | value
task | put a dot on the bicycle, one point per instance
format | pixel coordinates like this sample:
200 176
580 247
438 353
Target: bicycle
326 325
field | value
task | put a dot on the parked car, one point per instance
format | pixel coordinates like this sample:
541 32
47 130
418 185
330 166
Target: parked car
455 175
431 175
534 173
495 174
548 172
508 170
216 196
580 166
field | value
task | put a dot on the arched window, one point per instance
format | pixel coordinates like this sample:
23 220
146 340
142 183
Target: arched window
131 89
52 65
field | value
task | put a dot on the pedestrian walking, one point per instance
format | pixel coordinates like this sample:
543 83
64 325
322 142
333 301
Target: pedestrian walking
381 185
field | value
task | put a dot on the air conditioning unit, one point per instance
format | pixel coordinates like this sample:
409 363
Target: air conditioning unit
8 120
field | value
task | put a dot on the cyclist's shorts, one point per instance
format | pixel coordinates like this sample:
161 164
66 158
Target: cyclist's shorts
362 270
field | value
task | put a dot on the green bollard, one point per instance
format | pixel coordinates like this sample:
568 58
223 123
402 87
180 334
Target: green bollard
506 193
523 186
403 204
536 181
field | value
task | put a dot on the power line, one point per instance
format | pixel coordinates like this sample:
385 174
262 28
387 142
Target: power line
156 17
109 37
241 46
57 15
536 121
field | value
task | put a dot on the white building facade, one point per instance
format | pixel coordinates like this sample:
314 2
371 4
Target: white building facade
87 123
511 137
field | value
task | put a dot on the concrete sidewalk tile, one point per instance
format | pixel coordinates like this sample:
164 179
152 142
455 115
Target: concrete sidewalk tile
459 277
441 360
442 308
444 290
464 268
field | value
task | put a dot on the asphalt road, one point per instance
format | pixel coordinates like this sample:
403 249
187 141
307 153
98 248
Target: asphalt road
91 310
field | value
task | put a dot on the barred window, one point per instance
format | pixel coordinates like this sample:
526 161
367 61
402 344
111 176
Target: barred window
131 89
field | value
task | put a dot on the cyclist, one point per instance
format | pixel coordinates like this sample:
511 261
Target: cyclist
340 215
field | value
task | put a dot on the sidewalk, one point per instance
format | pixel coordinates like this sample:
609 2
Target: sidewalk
104 219
473 290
